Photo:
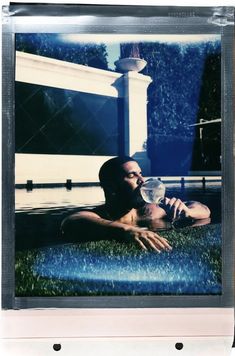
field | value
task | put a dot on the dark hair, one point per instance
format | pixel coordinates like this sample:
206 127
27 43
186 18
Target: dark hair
111 168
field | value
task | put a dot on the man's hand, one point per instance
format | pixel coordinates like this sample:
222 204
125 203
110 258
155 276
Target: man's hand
146 239
176 209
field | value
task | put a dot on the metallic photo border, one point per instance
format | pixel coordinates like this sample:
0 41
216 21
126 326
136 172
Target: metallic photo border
88 19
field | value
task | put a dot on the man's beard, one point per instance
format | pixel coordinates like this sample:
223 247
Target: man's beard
134 199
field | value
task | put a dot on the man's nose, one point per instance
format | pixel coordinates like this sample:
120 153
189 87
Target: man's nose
140 180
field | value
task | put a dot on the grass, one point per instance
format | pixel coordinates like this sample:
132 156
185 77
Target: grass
112 268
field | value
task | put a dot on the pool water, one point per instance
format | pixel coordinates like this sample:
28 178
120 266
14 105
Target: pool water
82 196
57 198
42 210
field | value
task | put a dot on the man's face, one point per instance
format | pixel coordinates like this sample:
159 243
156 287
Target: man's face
130 182
132 175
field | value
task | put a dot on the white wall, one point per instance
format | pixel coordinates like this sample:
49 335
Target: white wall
57 168
50 72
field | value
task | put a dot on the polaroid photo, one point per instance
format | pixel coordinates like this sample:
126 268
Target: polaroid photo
118 183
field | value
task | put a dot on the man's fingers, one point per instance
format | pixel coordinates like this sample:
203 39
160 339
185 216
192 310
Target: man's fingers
157 241
151 244
149 240
165 243
146 244
165 201
161 241
163 238
172 201
141 244
175 208
168 206
180 210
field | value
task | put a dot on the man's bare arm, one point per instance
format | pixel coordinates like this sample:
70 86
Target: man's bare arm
176 208
87 226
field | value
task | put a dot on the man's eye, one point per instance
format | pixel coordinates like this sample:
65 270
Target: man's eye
130 175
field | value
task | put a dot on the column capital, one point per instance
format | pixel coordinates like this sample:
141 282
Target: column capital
137 81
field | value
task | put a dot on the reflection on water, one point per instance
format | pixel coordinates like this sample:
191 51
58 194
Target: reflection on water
42 210
57 197
163 224
58 201
80 196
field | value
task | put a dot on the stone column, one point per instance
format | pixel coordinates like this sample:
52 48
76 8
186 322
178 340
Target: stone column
135 117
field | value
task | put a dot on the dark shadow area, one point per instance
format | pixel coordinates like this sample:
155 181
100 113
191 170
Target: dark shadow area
40 227
207 145
66 122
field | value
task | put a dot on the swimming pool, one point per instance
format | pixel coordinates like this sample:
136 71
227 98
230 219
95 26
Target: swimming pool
47 266
46 208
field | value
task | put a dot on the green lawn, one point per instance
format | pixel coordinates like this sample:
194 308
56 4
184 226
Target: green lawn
112 268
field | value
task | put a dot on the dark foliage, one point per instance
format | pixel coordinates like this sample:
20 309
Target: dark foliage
186 87
50 45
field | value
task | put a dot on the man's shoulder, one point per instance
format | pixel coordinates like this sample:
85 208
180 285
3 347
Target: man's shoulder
100 210
151 211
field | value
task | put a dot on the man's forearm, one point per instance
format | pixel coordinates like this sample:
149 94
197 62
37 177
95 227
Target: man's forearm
78 228
198 210
88 226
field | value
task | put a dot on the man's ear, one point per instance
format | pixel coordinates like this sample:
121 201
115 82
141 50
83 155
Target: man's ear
110 188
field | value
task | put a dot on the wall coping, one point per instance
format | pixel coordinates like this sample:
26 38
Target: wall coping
34 69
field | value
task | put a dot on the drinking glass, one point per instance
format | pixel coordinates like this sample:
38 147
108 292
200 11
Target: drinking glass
153 191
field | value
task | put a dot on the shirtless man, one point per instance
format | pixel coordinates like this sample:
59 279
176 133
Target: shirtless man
124 210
